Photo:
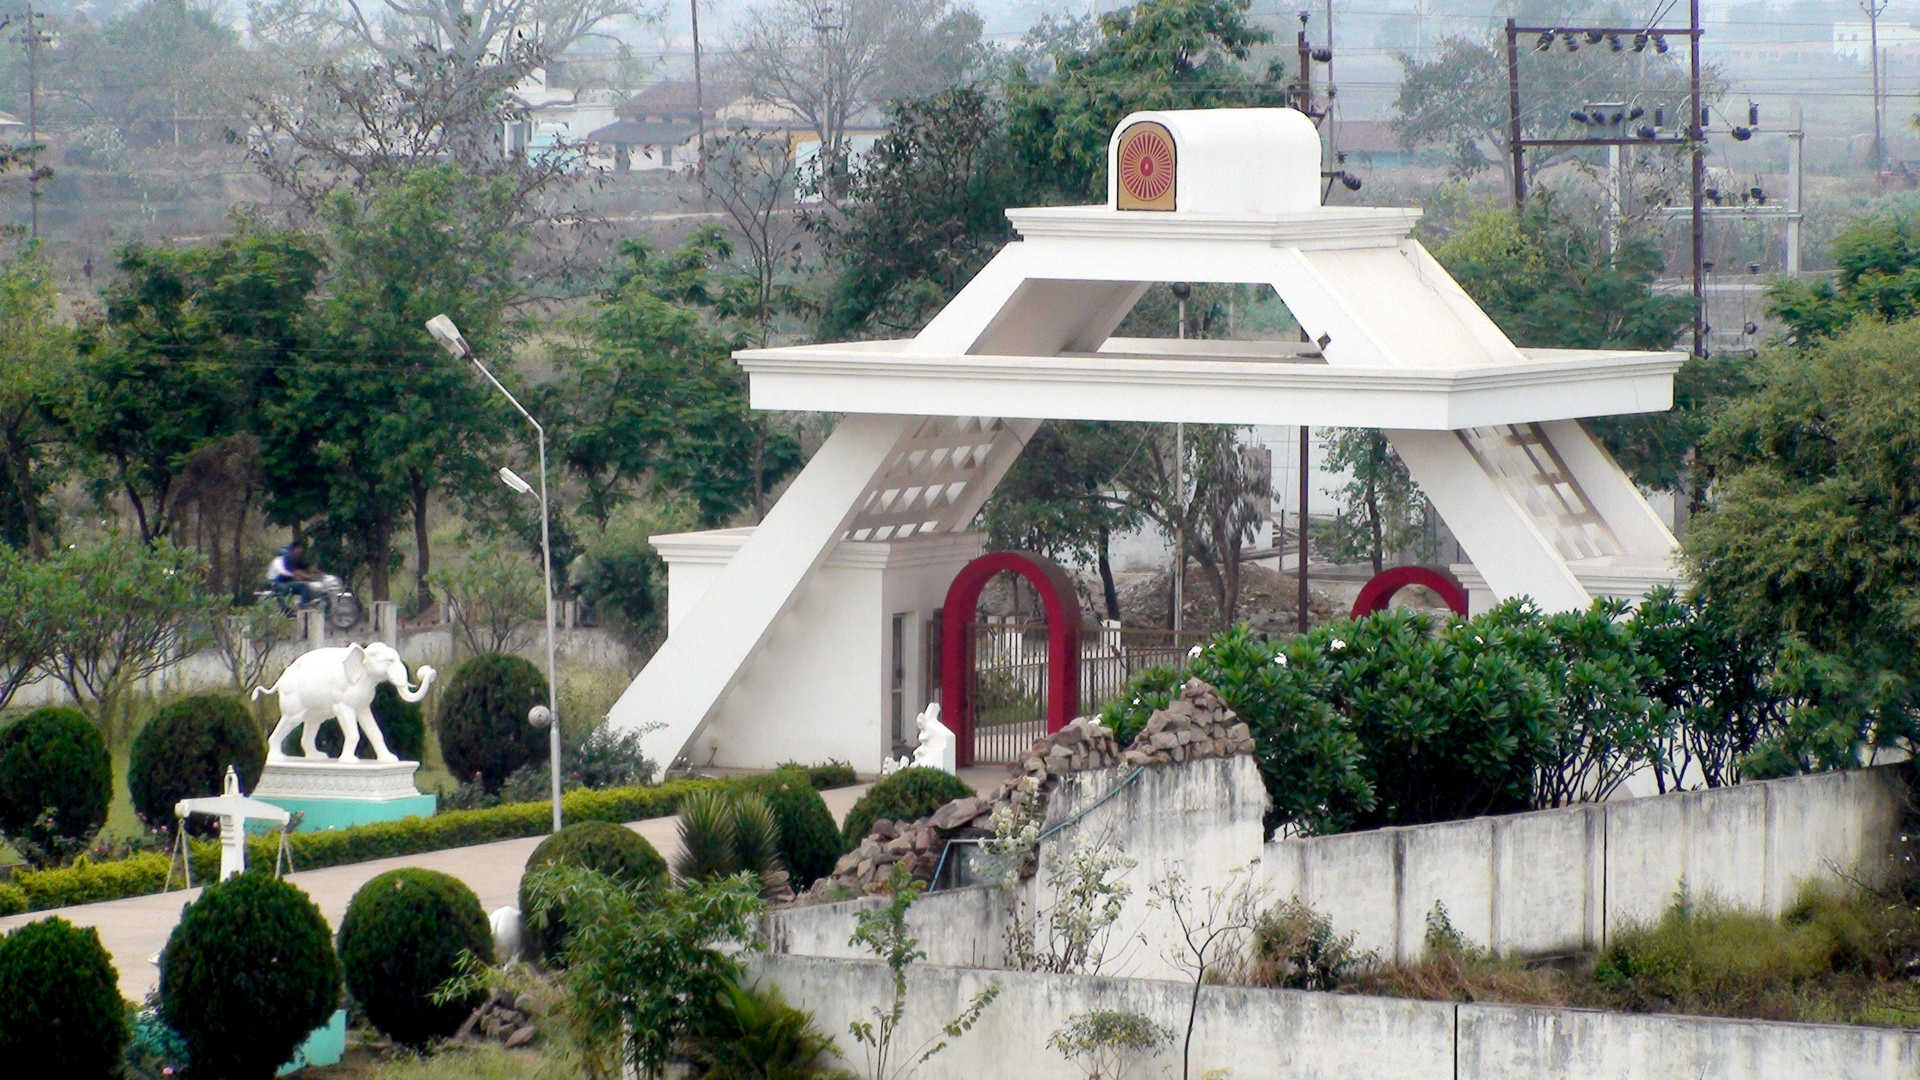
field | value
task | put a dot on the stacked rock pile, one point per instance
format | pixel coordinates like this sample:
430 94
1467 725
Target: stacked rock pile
504 1017
1197 724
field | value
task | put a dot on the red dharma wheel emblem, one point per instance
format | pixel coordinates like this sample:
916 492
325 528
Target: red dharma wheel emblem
1144 166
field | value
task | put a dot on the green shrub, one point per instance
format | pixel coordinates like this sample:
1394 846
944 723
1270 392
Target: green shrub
483 718
402 723
403 936
63 1015
907 795
753 1032
1704 957
829 774
56 782
809 840
183 753
605 847
622 580
1296 947
247 974
724 832
85 881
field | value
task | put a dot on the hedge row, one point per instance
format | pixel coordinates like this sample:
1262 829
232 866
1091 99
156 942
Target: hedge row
85 882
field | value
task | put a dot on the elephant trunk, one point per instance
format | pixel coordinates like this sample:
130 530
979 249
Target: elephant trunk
413 694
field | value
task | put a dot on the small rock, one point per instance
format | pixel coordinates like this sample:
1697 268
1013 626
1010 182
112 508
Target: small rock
520 1036
956 813
885 830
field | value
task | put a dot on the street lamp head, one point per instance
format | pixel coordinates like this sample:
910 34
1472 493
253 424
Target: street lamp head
448 335
512 479
540 716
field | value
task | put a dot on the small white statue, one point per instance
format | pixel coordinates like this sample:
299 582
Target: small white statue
507 934
338 684
937 746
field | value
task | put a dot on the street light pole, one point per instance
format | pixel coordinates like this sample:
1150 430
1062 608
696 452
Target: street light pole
449 337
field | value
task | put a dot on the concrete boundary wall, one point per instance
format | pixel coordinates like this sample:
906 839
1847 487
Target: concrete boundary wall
1300 1035
1559 881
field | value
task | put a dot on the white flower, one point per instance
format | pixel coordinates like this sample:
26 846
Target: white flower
1280 658
1193 653
1337 645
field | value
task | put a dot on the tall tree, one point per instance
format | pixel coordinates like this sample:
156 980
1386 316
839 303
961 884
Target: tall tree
381 419
1812 536
825 62
1382 510
1062 497
475 30
1157 54
925 210
36 363
652 400
190 337
1877 260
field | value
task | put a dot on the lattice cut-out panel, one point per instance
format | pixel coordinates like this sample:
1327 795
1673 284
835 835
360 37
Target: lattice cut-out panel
1523 462
929 478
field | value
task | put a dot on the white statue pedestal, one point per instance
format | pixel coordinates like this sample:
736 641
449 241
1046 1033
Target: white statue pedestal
334 794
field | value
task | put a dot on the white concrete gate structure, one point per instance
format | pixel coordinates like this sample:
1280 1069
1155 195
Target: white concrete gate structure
778 643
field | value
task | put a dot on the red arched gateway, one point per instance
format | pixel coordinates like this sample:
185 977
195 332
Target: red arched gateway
1375 594
956 640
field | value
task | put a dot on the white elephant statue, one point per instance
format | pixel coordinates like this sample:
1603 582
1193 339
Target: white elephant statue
338 683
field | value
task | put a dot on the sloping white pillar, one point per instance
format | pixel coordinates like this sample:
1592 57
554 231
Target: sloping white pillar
705 654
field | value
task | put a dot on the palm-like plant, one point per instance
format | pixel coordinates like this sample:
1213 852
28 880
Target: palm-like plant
722 835
753 1034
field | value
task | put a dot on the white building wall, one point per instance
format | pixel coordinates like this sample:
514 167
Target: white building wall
820 686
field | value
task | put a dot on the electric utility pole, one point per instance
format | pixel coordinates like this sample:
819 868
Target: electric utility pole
699 105
33 37
1873 11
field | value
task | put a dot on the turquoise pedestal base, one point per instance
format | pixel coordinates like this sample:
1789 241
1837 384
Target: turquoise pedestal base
318 814
332 794
326 1046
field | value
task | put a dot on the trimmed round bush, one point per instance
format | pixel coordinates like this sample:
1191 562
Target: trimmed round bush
809 840
247 975
183 753
403 723
483 718
53 759
601 846
63 1014
908 795
402 939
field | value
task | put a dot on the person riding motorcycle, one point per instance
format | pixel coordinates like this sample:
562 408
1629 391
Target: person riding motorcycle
289 573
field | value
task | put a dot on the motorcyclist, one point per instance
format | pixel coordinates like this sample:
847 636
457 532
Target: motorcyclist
290 573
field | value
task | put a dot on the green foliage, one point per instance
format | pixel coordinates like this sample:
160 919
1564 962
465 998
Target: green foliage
655 403
809 840
727 832
925 209
1810 539
607 848
623 581
402 937
118 611
1715 683
85 882
497 595
154 1050
908 795
63 1016
1156 54
1878 259
827 775
1702 956
1394 719
36 366
646 967
183 751
56 782
883 932
247 974
753 1034
1106 1041
1382 511
1297 948
1062 497
483 718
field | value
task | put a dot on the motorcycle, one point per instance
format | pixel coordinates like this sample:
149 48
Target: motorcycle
326 592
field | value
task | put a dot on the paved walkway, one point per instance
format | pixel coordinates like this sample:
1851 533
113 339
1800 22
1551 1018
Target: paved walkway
135 929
